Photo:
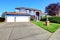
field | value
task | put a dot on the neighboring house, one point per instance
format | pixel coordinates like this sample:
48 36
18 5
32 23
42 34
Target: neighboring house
23 14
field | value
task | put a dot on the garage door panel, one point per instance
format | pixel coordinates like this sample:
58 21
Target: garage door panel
10 19
22 19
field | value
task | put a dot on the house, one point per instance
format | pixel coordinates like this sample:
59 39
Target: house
23 14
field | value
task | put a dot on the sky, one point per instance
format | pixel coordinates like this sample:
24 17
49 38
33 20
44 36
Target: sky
10 5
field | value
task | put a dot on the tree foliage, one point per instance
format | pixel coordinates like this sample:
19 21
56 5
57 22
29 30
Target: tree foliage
53 9
3 15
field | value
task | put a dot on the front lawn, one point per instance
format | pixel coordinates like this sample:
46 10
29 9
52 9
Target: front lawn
51 28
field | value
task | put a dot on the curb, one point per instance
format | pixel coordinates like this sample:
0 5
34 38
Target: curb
56 35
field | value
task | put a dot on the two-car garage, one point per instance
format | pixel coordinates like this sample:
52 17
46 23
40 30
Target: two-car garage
18 18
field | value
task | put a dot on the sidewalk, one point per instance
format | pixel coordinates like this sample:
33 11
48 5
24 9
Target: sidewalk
56 35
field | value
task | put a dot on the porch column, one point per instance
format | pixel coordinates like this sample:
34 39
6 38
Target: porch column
37 18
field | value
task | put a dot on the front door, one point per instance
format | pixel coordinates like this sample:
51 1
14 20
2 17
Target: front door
37 15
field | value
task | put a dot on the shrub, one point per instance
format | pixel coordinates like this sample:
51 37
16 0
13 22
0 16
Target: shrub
2 19
55 19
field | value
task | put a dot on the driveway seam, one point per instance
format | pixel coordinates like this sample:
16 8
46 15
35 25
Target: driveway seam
11 33
49 36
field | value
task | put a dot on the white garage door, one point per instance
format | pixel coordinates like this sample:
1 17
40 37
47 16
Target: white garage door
22 18
10 19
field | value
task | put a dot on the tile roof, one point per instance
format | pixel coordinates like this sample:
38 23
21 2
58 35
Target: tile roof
16 13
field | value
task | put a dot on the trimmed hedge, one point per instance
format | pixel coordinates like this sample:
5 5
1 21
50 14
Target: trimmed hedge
55 19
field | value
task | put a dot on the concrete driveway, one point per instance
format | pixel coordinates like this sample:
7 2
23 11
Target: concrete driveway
23 31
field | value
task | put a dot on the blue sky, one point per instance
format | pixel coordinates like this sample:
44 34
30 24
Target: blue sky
10 5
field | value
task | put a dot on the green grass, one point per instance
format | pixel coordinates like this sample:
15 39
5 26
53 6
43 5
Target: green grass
51 28
1 23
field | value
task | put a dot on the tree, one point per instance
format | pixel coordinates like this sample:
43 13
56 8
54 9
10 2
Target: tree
3 15
53 9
